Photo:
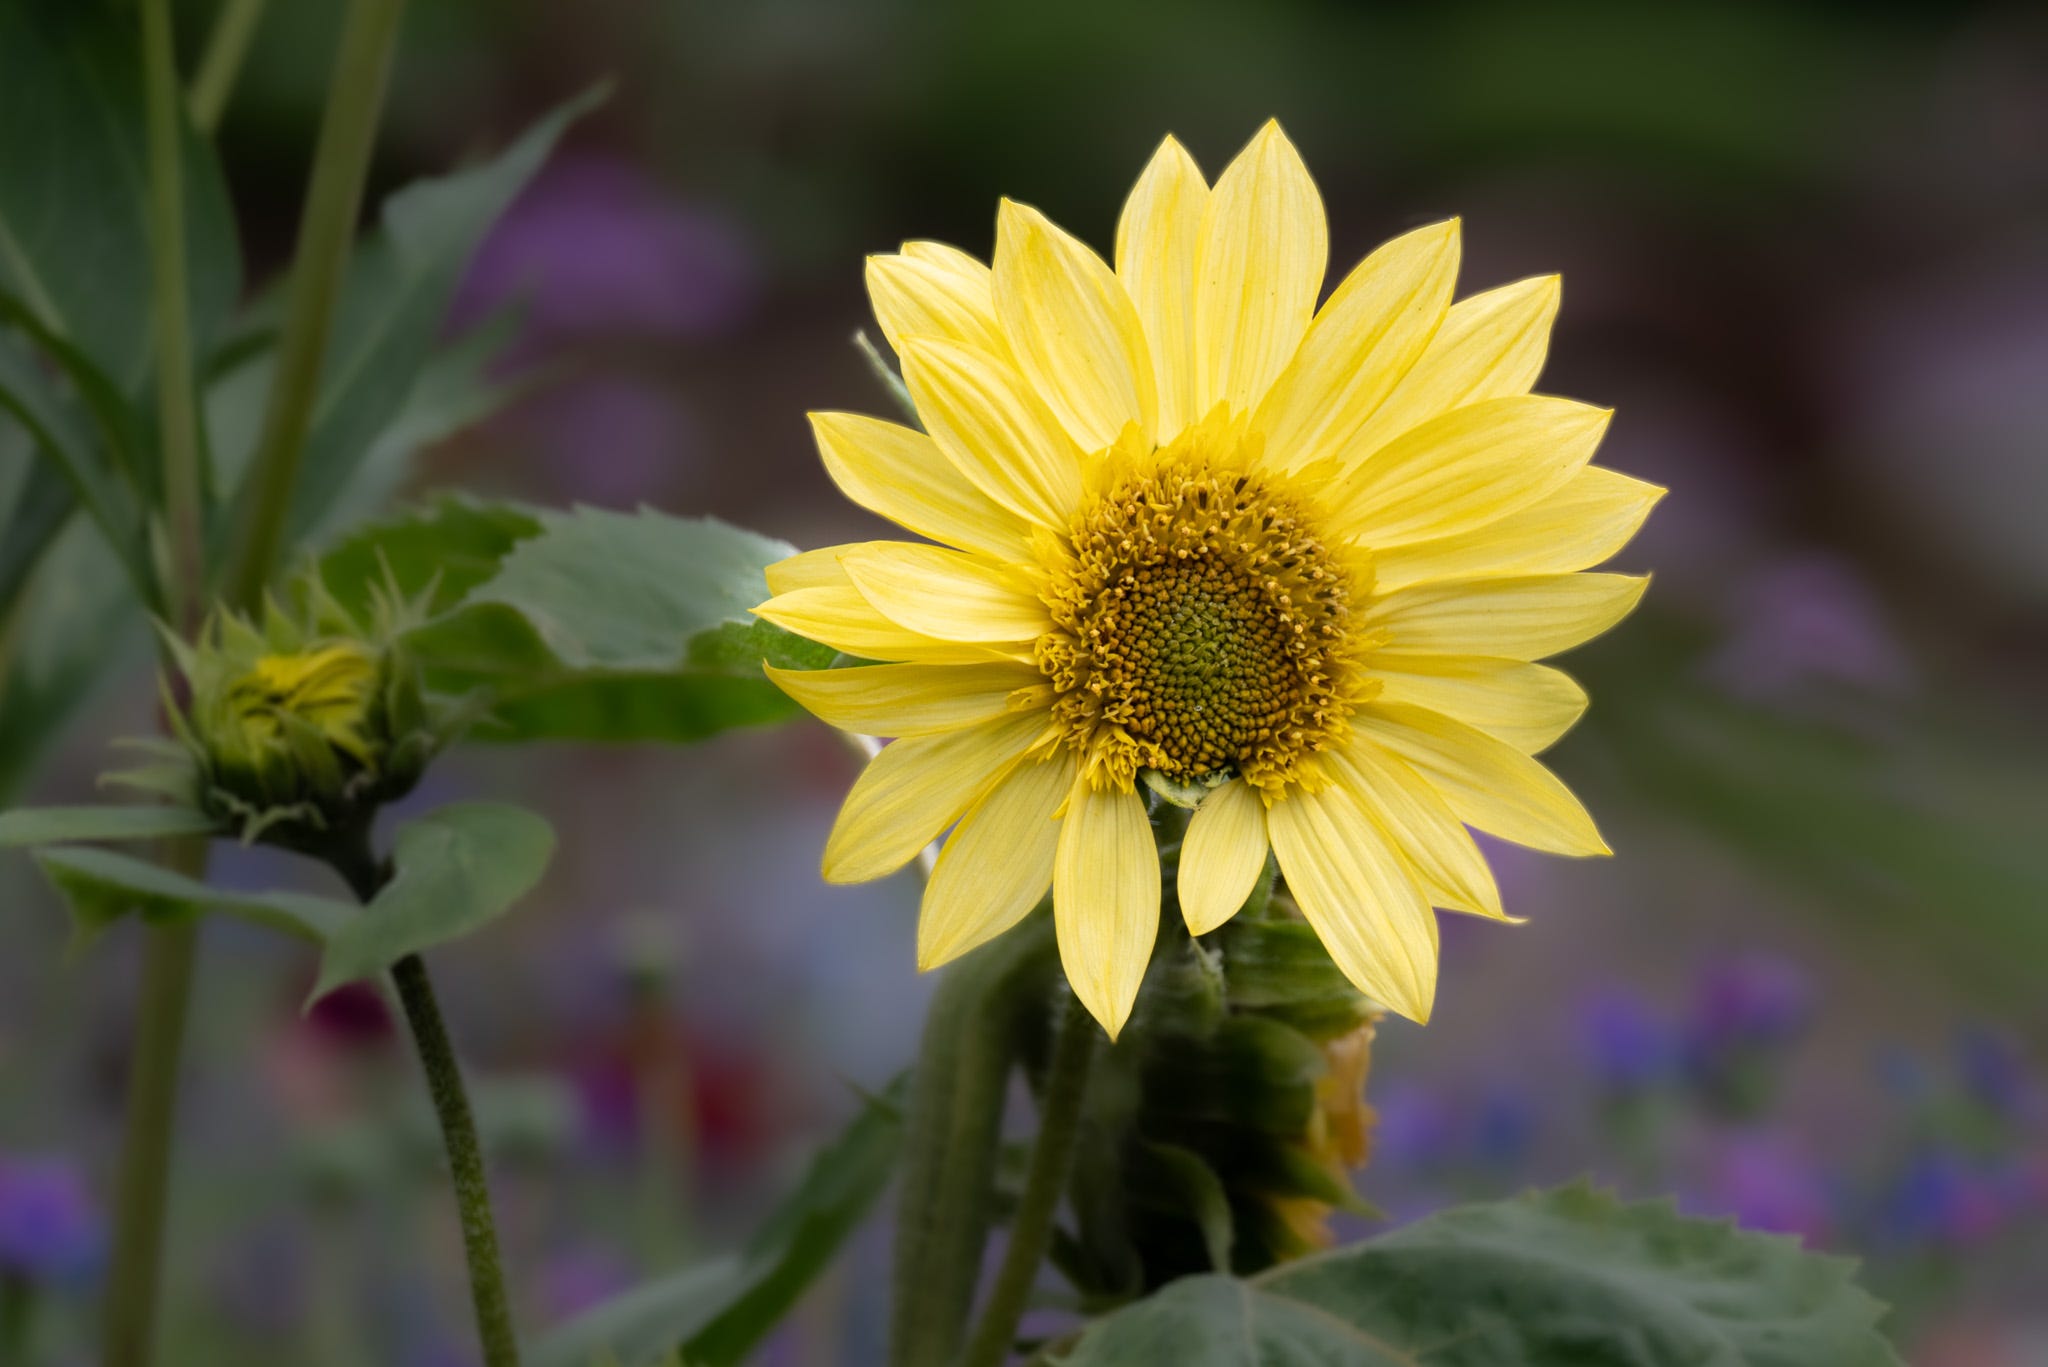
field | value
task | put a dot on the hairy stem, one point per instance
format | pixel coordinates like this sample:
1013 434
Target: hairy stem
327 229
352 859
951 1135
465 1161
221 63
141 1191
1052 1158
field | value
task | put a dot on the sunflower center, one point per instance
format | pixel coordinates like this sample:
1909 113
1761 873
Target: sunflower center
1201 629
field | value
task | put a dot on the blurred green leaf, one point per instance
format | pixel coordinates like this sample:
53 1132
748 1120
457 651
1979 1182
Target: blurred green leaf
1178 1182
453 544
78 825
1555 1279
35 500
454 870
74 195
395 303
102 886
720 1312
616 627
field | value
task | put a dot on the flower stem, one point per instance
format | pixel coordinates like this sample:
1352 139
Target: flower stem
465 1161
1052 1157
226 46
17 1319
341 163
144 1182
360 869
177 412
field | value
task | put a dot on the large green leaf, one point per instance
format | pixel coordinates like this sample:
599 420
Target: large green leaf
395 303
588 625
35 501
74 194
716 1314
1571 1278
102 886
77 825
454 870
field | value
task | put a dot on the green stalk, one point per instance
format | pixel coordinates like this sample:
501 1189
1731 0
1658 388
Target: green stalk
465 1161
177 411
1052 1159
353 860
17 1319
951 1135
226 46
327 229
133 1281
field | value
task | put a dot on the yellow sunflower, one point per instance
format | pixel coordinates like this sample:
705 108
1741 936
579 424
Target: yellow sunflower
1195 535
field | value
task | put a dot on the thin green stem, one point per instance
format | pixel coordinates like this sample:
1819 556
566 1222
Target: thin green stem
177 412
366 875
465 1161
134 1280
1052 1159
226 46
341 164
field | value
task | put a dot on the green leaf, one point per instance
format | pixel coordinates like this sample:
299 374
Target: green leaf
37 502
453 545
454 870
1559 1279
76 825
102 886
396 300
74 192
713 1316
1176 1181
619 627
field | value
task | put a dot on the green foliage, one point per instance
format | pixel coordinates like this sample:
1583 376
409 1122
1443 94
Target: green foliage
395 302
102 886
78 825
74 235
586 625
714 1315
1570 1278
453 870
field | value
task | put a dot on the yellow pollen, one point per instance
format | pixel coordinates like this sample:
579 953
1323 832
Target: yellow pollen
1201 629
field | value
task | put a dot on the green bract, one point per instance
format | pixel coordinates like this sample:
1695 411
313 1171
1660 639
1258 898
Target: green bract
295 729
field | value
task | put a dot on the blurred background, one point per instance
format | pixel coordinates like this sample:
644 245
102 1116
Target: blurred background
1805 252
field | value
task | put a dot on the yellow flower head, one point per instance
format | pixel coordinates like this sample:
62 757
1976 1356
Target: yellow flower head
1290 565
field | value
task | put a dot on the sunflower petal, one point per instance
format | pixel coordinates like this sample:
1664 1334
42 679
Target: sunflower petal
815 569
1465 469
944 594
1360 896
1527 705
903 475
1490 346
1516 619
1362 342
1485 782
1264 246
933 290
1222 856
839 617
997 863
987 421
1072 328
916 788
1105 900
1422 827
1588 519
1156 241
907 700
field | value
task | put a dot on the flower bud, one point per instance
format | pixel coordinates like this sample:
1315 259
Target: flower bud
294 732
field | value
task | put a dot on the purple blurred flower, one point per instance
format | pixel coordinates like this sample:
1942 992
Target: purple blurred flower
1943 1197
1994 1072
1416 1128
1809 620
1753 1000
1628 1048
594 248
1764 1184
50 1228
1503 1128
610 438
